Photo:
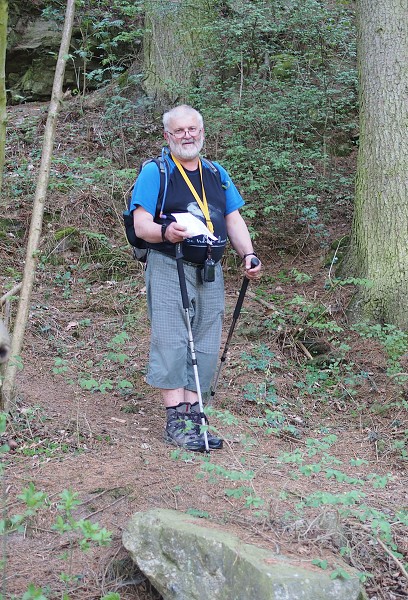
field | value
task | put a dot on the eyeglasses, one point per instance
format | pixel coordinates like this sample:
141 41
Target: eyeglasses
180 133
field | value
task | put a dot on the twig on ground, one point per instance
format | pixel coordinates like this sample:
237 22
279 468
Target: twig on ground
394 558
97 496
105 507
398 375
304 349
264 303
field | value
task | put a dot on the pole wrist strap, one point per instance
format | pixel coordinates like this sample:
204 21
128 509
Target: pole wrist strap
249 254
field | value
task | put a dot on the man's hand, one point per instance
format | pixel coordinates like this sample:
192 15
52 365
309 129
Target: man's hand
175 233
150 231
253 267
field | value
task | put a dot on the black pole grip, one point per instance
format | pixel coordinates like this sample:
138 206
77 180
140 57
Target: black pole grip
254 262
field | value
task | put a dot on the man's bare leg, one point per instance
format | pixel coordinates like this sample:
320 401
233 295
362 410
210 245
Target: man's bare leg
179 395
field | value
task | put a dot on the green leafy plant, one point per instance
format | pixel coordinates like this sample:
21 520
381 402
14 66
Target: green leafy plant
88 381
394 340
283 97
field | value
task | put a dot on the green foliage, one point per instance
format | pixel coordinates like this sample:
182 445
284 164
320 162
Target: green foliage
218 471
182 455
33 593
394 340
276 84
301 277
275 422
279 93
110 36
340 573
224 416
29 444
349 503
32 499
200 514
323 564
260 359
80 532
122 121
89 381
262 393
4 447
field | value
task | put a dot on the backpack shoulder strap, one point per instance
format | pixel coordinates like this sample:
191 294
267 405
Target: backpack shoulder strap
213 168
164 176
209 164
161 164
159 161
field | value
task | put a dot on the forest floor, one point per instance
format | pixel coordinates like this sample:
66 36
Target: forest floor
315 425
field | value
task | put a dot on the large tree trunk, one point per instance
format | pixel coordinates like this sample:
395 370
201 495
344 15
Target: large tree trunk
171 48
3 113
38 210
379 246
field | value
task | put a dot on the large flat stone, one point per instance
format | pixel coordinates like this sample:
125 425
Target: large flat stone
185 560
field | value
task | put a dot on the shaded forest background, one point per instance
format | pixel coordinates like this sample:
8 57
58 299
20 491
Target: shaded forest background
276 83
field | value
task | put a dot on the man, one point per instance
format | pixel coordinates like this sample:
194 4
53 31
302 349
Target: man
208 193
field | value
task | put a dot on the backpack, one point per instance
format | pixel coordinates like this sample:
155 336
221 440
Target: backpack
140 246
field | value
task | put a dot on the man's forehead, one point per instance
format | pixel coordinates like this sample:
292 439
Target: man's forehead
185 119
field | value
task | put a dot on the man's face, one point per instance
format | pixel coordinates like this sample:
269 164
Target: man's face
185 137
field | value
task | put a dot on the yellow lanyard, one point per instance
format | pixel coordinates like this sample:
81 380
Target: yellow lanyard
201 203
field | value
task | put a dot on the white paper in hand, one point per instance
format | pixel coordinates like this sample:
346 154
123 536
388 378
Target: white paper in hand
194 226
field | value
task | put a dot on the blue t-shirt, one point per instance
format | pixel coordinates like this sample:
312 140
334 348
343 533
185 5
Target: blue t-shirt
222 198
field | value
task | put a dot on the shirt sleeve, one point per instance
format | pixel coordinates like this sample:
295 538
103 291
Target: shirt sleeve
146 189
234 200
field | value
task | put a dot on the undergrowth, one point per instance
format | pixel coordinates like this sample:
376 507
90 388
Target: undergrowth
309 400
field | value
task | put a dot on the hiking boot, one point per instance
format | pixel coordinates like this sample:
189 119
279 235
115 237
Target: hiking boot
182 431
214 442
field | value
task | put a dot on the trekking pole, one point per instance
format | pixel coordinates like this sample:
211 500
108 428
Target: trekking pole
184 297
254 263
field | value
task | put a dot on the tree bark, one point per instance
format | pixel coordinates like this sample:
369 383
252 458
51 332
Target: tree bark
3 101
379 248
171 48
38 211
4 344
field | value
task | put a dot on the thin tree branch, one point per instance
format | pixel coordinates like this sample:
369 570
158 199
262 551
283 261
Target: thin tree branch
394 558
38 211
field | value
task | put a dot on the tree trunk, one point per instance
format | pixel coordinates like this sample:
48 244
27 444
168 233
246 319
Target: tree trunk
3 112
4 344
171 48
38 210
379 248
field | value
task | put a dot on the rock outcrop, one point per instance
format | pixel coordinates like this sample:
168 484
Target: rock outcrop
33 43
186 561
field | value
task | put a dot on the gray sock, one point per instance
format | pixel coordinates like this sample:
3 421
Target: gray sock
183 408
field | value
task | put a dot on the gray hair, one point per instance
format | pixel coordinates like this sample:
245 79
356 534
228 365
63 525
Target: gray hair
179 111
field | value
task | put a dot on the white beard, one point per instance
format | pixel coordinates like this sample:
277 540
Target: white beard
187 151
